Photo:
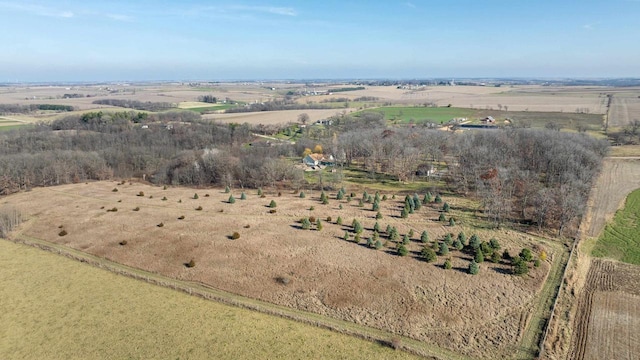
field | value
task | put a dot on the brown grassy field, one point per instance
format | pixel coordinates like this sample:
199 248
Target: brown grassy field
625 107
482 316
273 117
56 308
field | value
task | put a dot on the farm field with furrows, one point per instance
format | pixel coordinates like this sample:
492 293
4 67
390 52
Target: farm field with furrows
262 251
57 308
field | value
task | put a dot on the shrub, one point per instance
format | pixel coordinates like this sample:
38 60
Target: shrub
376 227
339 221
444 249
220 211
199 208
438 199
384 197
473 268
226 189
346 236
115 190
262 196
402 250
442 217
356 238
349 199
457 244
181 217
448 240
340 195
160 225
232 200
378 215
360 203
479 256
520 266
319 225
311 208
340 206
195 196
283 280
150 196
428 254
190 264
494 244
452 222
272 204
404 213
63 233
260 192
536 263
302 195
113 209
378 245
235 235
243 196
405 239
272 211
137 208
543 255
447 264
123 242
495 257
312 219
357 228
411 233
306 224
526 255
446 207
164 187
474 241
325 201
141 193
179 201
329 219
101 207
164 198
424 237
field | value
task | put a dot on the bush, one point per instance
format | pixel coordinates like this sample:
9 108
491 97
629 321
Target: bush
160 225
195 196
312 219
520 267
473 268
340 206
123 242
279 193
402 250
243 196
262 196
199 208
235 235
405 239
137 208
260 192
179 201
378 244
384 197
526 255
543 255
306 224
494 244
428 254
447 264
283 280
474 241
378 215
115 190
319 225
181 217
141 193
346 236
360 203
438 199
479 256
311 208
164 198
302 195
424 237
63 233
190 264
356 238
452 222
410 233
206 195
328 219
150 196
448 239
272 211
339 221
442 217
272 204
232 200
164 187
226 189
446 207
495 257
536 263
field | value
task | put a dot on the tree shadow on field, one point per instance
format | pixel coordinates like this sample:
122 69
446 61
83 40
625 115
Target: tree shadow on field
297 226
501 270
461 269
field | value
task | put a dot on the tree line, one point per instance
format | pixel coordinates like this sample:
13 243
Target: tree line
135 104
25 109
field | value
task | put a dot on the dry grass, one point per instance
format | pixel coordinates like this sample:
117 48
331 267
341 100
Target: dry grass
56 308
274 117
328 276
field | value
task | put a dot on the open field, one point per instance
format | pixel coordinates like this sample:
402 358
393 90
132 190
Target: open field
621 238
608 316
56 308
482 316
625 107
274 117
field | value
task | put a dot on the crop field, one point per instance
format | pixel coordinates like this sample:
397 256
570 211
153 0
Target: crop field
273 259
625 108
56 308
621 238
608 316
274 117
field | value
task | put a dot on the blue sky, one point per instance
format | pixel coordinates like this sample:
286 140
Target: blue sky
70 40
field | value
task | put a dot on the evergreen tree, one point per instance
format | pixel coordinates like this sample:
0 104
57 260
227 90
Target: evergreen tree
226 189
306 224
495 257
438 199
462 237
494 244
410 233
302 195
446 207
232 200
526 255
479 256
405 239
417 202
447 264
388 230
346 236
520 266
457 244
378 245
339 220
404 213
370 242
448 240
442 217
358 228
319 225
427 198
424 237
272 204
378 215
452 222
402 250
428 254
340 195
376 206
473 268
376 227
444 249
474 241
243 196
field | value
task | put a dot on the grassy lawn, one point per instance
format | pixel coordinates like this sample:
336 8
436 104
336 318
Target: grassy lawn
404 115
621 238
56 308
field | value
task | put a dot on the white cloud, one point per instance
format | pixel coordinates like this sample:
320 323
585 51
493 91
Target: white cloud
38 10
